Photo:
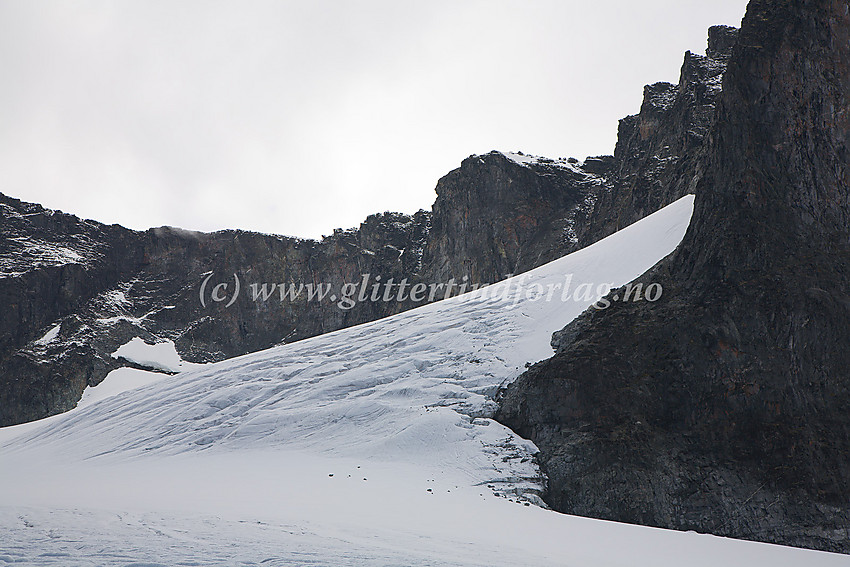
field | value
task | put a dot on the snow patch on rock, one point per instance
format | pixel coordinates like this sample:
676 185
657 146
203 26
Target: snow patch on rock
160 356
49 336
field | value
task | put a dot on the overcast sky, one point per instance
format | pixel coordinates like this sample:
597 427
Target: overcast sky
299 117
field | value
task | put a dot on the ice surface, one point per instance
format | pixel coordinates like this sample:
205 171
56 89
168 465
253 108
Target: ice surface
367 446
118 381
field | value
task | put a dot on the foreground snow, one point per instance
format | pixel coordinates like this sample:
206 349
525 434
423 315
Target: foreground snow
368 446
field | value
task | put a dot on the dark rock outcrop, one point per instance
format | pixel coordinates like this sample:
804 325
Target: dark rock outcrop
725 406
502 214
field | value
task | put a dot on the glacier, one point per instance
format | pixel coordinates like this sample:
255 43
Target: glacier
371 445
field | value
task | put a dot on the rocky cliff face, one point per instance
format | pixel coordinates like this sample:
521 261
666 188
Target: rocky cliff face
723 408
89 288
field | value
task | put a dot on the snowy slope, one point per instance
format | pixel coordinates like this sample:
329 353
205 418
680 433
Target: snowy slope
367 446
